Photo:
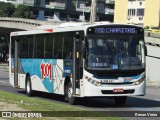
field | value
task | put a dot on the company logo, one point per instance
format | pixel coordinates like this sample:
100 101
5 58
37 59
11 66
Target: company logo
46 70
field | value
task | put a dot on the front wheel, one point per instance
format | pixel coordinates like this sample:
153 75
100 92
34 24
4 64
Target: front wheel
71 99
29 91
121 100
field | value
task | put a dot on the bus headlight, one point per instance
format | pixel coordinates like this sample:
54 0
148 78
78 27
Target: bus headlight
94 82
138 82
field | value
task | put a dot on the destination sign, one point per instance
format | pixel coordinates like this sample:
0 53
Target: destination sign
115 30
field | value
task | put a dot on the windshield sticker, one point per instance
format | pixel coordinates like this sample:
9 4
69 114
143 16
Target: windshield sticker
114 67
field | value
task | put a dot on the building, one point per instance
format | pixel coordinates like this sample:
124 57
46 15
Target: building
143 12
152 13
131 12
58 10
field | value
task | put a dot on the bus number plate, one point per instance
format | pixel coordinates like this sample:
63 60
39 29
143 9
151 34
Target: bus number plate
118 90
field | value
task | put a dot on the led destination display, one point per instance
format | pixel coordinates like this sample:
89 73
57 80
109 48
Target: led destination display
115 30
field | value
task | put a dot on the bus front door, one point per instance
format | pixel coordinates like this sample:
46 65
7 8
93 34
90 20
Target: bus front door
16 63
76 65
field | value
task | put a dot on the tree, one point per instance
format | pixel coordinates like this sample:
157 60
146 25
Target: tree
3 47
6 9
23 11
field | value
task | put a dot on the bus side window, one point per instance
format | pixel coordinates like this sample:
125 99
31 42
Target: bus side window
30 46
39 53
68 46
58 46
23 47
49 46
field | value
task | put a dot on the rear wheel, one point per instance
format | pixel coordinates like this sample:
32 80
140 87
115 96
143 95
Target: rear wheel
29 91
69 95
121 100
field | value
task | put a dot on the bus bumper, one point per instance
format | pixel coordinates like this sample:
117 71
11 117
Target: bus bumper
91 90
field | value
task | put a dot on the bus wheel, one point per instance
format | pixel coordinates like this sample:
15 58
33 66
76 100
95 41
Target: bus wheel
71 99
120 100
29 91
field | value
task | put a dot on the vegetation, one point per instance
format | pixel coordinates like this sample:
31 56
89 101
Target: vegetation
3 47
21 11
58 109
6 9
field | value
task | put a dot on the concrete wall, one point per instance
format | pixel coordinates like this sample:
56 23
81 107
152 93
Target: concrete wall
152 13
153 61
24 24
120 11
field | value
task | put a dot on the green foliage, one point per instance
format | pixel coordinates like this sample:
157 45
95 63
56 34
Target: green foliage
23 11
3 43
37 104
6 9
9 10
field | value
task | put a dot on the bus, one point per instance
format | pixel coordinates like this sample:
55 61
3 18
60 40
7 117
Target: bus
80 60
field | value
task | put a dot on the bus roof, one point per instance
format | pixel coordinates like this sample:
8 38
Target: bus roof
68 26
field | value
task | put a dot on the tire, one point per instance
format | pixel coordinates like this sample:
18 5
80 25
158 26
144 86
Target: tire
120 100
69 94
29 90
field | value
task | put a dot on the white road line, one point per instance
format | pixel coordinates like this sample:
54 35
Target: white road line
157 99
3 82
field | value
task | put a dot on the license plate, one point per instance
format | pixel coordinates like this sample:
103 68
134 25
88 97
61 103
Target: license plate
118 90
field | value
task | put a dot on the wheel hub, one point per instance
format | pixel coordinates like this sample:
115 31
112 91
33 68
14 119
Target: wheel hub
28 87
70 92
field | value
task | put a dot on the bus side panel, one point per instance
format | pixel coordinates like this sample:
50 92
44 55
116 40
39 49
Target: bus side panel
41 72
58 77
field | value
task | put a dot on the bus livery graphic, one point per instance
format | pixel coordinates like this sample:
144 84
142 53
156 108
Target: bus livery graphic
46 70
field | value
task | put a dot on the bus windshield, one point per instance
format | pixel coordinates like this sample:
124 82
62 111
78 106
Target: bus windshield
114 53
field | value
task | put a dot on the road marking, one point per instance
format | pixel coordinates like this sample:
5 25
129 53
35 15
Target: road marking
156 99
3 82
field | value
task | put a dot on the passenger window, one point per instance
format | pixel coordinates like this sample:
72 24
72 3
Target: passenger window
58 46
49 46
39 46
68 46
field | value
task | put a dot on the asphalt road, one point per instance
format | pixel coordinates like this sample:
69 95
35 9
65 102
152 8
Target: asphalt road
150 102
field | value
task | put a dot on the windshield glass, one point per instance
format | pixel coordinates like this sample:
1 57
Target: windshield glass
115 53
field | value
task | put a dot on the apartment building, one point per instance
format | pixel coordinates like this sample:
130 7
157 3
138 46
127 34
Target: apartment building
129 11
152 13
143 12
70 9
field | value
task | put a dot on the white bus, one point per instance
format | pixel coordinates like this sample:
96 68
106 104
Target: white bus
80 60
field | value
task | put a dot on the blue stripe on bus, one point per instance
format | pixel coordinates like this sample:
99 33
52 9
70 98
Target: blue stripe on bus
39 67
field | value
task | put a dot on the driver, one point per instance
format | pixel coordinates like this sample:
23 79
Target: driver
121 54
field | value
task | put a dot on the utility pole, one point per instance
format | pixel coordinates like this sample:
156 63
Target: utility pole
93 11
